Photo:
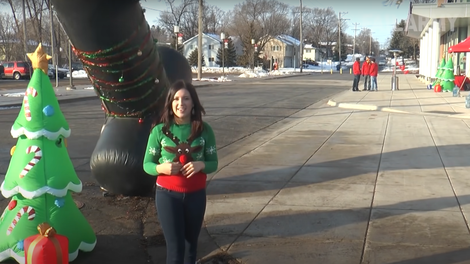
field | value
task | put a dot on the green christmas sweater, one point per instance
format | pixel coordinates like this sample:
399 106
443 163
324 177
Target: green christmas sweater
173 145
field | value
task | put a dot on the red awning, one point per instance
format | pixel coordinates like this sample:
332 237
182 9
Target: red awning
463 46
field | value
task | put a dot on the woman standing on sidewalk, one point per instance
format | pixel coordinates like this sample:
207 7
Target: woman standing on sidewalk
181 151
373 71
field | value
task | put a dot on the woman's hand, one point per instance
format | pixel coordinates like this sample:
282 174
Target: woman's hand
169 168
193 167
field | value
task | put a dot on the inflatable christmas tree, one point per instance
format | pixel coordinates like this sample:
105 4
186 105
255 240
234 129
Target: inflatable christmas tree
439 72
447 77
41 176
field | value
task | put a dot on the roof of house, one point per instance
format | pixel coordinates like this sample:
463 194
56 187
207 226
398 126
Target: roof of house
309 46
210 35
288 40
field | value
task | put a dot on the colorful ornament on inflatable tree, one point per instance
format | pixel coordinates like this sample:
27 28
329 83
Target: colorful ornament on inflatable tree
41 176
447 77
437 88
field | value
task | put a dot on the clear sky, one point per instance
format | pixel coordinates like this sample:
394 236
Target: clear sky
373 14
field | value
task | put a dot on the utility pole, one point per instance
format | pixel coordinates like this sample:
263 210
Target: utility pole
370 42
24 36
199 41
301 41
54 56
339 36
355 29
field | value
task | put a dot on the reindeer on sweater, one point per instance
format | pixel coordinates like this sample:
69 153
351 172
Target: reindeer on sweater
182 150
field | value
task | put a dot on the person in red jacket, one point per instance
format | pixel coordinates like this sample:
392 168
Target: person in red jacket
357 75
373 71
366 74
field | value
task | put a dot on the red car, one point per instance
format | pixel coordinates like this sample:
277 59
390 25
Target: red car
16 69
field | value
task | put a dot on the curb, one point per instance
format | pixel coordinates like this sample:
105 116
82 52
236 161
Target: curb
208 84
390 110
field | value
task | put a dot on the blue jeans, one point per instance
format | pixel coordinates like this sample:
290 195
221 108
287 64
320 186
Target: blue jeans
355 87
366 82
181 216
373 80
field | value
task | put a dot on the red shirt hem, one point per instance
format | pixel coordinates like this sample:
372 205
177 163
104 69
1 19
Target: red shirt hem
179 183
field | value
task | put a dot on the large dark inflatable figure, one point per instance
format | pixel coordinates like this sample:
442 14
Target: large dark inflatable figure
131 75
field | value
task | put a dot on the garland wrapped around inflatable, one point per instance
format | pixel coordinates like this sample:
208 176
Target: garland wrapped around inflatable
131 76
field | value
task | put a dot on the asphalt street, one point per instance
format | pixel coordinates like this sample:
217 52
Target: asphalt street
126 226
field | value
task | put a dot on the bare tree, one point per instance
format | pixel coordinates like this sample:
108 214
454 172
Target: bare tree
35 10
13 8
159 34
321 26
213 19
261 20
9 49
176 15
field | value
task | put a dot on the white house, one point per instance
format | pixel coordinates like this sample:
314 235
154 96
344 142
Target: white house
438 26
311 53
210 45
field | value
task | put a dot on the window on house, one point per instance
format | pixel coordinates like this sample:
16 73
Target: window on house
278 48
211 59
211 47
191 46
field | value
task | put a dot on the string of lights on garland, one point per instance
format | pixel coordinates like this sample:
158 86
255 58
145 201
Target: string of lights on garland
111 61
102 52
88 62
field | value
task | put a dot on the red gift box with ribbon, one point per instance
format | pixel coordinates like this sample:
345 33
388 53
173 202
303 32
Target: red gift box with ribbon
47 247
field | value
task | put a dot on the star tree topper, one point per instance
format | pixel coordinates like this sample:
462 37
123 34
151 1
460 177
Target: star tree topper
39 59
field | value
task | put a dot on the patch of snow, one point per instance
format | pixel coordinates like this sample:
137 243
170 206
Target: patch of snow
78 74
13 94
9 107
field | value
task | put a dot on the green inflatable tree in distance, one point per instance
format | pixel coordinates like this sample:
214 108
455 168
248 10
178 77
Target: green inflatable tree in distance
41 176
440 71
447 77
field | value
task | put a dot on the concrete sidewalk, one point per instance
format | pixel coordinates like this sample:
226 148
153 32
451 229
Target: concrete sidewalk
350 185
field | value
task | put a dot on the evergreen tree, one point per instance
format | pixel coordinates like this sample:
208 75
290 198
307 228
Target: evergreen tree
193 58
400 41
230 55
40 187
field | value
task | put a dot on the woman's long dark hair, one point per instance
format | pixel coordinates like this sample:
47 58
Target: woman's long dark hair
168 117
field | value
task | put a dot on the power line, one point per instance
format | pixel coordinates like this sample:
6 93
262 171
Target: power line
153 9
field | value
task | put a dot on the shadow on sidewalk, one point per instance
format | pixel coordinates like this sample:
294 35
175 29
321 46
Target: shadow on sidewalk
456 256
428 157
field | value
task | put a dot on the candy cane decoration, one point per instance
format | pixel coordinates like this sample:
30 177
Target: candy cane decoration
30 91
37 156
27 209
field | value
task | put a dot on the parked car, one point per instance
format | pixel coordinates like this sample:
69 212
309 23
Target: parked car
61 72
16 69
